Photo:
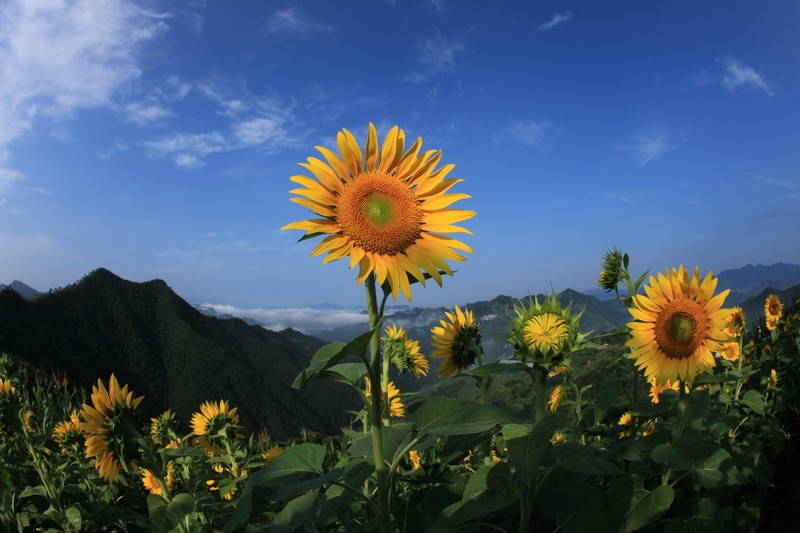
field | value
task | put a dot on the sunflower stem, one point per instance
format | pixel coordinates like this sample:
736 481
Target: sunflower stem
739 382
377 393
539 389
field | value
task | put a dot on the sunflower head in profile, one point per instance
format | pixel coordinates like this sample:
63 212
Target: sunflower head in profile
110 427
556 396
215 426
404 352
545 333
163 428
657 388
735 323
271 453
457 340
396 407
151 482
679 325
68 434
385 209
773 311
611 272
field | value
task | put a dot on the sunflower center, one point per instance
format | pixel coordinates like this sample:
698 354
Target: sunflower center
774 309
379 213
679 328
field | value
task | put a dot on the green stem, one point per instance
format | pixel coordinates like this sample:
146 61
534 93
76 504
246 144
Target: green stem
539 389
377 393
739 381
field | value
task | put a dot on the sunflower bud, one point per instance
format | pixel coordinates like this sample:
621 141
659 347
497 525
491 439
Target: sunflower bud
614 262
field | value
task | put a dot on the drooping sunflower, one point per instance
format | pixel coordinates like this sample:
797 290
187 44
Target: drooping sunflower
271 453
404 352
679 324
396 407
735 323
385 209
773 311
457 340
109 425
163 428
214 425
556 395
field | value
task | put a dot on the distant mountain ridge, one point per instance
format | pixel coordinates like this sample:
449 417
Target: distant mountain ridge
23 290
170 353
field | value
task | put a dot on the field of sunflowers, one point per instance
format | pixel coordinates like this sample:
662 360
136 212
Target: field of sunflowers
691 438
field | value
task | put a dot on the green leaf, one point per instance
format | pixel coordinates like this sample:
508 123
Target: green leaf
607 393
689 409
492 369
74 519
330 354
526 445
582 459
349 373
301 511
579 508
489 489
445 416
167 516
394 440
633 506
696 515
754 401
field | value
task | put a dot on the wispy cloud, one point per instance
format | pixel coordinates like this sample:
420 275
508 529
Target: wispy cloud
557 20
739 76
649 144
293 22
530 133
435 55
304 319
252 122
8 177
618 197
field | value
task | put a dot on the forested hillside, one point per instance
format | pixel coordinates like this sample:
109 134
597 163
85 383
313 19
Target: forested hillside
170 353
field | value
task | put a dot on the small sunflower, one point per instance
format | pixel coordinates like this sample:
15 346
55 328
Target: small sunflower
413 457
657 388
384 209
611 273
271 453
6 388
558 438
404 352
735 323
679 324
773 311
457 342
215 425
68 433
396 407
109 425
730 351
163 428
151 483
545 333
625 425
772 380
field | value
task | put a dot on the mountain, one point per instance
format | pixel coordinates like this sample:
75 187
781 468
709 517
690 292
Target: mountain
751 280
754 307
23 290
171 354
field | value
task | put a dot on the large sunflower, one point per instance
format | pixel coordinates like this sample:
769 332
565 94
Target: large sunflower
457 342
679 324
109 425
214 425
773 311
384 209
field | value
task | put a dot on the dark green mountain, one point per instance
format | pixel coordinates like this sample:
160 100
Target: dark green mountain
170 353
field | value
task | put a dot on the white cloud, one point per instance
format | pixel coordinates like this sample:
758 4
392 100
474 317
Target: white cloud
292 21
305 319
8 177
436 55
740 76
187 149
143 113
58 57
558 19
531 133
649 144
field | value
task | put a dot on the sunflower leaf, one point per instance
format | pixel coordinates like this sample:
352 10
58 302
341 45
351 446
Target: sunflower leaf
633 506
445 416
489 489
167 516
526 445
329 355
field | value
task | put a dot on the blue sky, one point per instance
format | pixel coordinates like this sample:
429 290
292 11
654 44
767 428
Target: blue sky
156 139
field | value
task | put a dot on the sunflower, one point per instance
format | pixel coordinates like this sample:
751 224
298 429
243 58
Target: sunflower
404 352
772 380
110 427
735 323
416 462
215 425
68 433
625 425
396 407
546 332
657 388
773 311
730 351
611 273
6 388
384 209
555 398
163 428
457 342
678 325
271 453
151 483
